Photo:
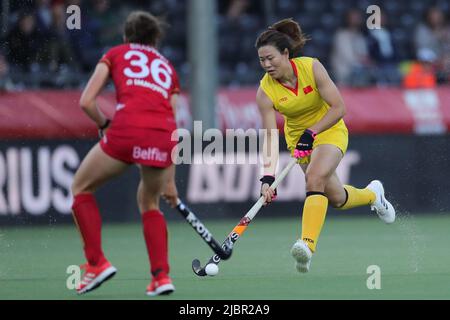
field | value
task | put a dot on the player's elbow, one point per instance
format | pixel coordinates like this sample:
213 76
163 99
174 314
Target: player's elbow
85 103
338 111
342 110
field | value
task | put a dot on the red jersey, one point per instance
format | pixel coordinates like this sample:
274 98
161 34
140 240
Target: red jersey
144 82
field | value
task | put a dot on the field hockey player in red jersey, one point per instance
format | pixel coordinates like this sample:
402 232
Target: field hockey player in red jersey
140 132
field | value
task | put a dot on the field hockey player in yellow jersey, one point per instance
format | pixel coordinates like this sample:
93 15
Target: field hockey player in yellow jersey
302 91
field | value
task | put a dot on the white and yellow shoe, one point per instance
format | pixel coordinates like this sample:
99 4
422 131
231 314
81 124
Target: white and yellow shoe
383 208
302 255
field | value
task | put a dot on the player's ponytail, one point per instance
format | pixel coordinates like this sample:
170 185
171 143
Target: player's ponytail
293 30
284 34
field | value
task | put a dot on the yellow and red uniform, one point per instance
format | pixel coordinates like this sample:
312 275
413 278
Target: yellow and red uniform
303 107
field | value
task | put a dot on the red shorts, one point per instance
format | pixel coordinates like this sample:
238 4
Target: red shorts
149 147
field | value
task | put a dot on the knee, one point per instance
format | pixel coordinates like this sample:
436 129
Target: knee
336 202
315 182
79 186
337 199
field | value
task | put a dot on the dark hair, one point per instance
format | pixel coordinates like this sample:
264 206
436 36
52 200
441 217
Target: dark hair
144 28
427 13
24 14
284 34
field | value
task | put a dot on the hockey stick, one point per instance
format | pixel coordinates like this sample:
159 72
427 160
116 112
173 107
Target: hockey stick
224 251
242 225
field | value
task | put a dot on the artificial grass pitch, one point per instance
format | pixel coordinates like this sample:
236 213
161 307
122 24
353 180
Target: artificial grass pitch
412 256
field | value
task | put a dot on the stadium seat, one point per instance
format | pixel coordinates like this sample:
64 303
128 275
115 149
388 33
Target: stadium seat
318 18
287 7
314 7
330 22
338 8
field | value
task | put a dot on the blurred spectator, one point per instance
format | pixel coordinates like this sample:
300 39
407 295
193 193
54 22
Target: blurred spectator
421 73
5 82
37 40
60 50
235 9
383 53
23 43
434 35
85 42
350 57
103 21
43 16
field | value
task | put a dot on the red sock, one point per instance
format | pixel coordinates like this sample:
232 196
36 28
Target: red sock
155 234
87 217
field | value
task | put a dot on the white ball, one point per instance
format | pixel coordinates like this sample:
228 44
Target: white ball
212 269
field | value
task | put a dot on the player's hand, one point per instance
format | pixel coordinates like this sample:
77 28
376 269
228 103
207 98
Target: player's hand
170 194
305 144
102 129
268 193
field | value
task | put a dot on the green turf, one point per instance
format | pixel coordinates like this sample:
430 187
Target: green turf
413 256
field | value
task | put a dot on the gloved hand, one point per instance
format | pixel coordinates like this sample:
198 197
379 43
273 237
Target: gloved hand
267 192
102 129
305 144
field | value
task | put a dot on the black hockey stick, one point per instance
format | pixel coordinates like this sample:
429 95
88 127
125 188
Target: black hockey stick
239 229
224 251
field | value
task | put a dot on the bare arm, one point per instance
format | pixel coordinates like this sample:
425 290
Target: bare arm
270 146
170 192
91 91
174 103
331 95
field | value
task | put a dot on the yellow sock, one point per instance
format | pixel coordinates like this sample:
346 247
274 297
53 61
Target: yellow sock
357 197
314 212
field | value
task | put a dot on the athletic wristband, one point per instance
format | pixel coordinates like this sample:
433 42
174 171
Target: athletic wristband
106 125
267 179
311 132
100 129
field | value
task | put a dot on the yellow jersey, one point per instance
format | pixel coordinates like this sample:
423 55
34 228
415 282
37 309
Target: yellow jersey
303 106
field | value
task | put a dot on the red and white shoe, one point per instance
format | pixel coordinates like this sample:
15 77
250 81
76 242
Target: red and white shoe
161 286
94 276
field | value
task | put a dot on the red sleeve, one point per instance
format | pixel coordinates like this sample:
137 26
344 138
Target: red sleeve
108 58
175 89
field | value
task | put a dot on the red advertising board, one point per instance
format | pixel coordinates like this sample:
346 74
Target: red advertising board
56 114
